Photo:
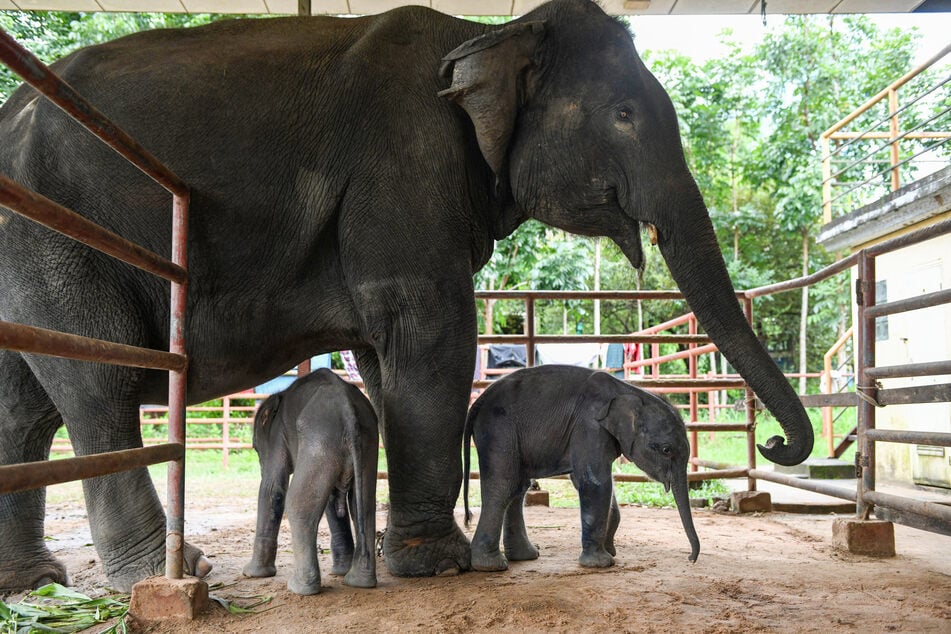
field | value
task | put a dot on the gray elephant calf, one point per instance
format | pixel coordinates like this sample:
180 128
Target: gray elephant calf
555 419
324 431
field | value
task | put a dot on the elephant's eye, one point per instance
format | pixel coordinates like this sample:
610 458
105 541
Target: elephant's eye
624 114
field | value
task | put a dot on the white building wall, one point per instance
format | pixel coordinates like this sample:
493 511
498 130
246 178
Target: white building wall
915 337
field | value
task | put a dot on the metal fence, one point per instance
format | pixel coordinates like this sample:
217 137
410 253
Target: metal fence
28 339
903 136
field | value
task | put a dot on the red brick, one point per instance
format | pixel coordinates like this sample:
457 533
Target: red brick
159 599
536 498
751 502
874 538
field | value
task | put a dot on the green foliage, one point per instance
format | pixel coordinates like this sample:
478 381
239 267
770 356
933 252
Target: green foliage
51 35
60 609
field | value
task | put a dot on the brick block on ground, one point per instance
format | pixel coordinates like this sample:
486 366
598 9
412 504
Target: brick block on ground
160 598
874 538
751 502
537 497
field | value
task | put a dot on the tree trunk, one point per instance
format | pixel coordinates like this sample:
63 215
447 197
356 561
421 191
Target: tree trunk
804 315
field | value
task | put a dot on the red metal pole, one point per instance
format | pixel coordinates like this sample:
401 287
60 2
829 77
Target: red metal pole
692 365
177 381
750 412
864 299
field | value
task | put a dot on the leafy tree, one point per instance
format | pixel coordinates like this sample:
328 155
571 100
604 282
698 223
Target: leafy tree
52 34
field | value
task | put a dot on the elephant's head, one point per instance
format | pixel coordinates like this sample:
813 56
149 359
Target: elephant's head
652 435
581 136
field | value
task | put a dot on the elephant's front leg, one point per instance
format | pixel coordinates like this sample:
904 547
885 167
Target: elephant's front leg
272 494
595 494
426 371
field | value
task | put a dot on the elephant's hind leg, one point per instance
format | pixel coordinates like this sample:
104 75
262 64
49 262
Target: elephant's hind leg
28 422
341 535
514 534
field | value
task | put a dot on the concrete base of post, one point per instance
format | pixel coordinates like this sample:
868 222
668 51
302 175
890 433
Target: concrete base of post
751 502
160 599
874 538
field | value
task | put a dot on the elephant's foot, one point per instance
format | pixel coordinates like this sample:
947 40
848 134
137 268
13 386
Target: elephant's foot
411 553
196 564
341 564
304 584
255 569
130 570
596 558
23 574
360 577
489 561
609 547
520 550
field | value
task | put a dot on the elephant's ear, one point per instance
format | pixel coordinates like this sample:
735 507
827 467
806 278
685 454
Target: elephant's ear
490 81
615 411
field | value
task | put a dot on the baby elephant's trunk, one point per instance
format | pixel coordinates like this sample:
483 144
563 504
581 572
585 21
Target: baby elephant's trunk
679 487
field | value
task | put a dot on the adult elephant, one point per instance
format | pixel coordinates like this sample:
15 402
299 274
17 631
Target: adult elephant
348 177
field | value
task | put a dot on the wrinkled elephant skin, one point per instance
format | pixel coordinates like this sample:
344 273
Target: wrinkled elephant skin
348 177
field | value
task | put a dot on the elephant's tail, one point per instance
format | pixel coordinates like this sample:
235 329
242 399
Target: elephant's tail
466 456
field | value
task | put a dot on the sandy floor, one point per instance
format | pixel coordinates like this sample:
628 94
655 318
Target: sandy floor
760 573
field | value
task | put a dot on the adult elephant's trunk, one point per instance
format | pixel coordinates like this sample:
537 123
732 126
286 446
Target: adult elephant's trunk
690 248
678 486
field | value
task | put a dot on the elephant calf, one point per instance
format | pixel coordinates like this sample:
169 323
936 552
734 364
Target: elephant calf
324 431
552 420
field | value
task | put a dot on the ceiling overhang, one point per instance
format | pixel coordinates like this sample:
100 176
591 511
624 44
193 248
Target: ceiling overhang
482 7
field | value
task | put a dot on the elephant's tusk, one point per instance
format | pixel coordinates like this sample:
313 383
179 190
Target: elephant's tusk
652 233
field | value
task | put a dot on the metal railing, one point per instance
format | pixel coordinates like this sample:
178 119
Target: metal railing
28 339
855 166
869 395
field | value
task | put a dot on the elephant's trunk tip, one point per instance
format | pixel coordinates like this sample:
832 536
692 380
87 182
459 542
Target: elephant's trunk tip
776 450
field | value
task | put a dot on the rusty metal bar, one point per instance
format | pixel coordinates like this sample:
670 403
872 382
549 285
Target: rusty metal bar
606 295
842 399
721 474
934 438
865 297
750 411
921 235
39 75
927 300
806 280
31 339
177 382
806 485
918 507
940 393
676 356
931 368
533 338
44 211
695 427
35 475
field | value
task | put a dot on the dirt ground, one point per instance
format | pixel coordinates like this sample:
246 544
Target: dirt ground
758 573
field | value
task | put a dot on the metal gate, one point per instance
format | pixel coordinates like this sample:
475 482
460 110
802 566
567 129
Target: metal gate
28 339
